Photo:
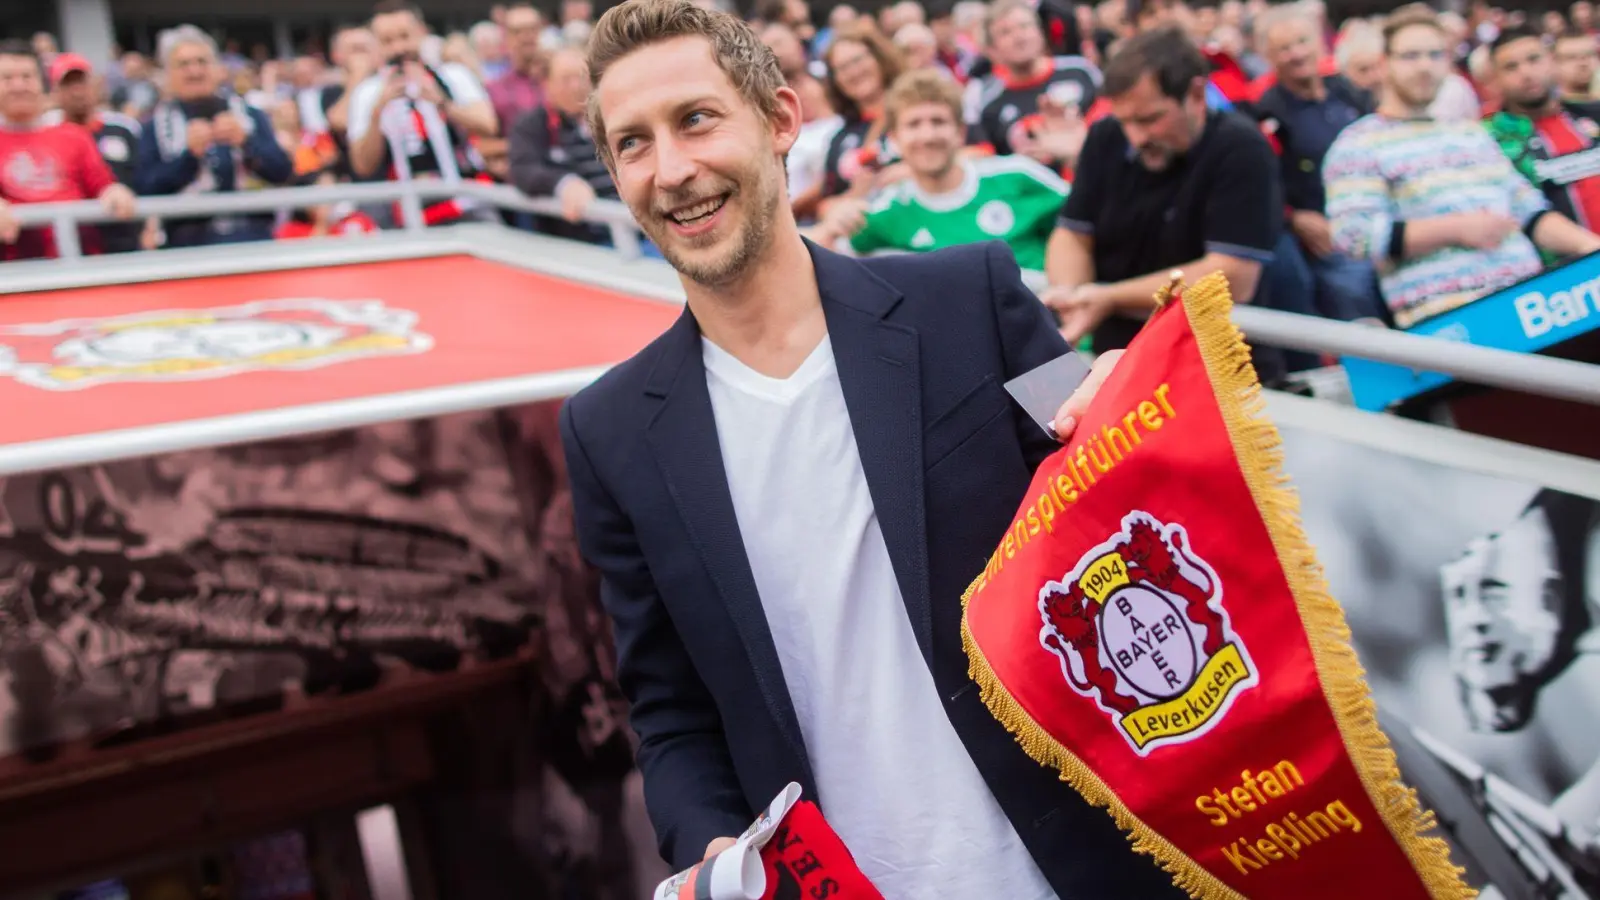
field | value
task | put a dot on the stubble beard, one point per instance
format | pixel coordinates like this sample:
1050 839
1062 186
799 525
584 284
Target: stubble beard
750 242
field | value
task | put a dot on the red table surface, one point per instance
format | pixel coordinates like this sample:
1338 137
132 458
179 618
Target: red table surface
487 321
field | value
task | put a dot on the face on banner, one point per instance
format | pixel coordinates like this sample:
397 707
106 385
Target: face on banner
1503 606
1473 603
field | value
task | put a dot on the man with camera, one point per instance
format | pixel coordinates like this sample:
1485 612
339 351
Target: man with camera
202 142
414 120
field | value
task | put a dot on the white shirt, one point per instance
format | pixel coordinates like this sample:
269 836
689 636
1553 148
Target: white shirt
464 88
895 781
1456 102
808 158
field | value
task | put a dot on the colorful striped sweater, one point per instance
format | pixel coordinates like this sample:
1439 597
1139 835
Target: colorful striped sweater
1380 171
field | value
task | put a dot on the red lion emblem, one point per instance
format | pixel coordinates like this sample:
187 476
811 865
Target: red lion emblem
1071 616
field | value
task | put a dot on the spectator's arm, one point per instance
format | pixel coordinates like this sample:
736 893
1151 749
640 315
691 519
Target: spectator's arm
475 118
367 152
1364 226
1420 237
263 154
156 176
868 237
1135 294
469 108
1556 233
1362 215
1069 257
338 112
531 171
364 131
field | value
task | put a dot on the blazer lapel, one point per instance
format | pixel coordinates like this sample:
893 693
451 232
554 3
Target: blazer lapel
683 437
879 371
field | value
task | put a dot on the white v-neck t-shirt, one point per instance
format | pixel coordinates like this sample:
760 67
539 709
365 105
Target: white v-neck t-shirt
896 782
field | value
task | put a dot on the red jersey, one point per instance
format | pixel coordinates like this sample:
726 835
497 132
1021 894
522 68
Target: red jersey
50 164
1569 162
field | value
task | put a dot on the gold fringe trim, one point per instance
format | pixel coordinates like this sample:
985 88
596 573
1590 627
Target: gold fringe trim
1258 446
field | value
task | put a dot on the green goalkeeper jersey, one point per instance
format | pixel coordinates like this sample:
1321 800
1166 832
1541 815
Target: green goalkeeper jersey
1007 198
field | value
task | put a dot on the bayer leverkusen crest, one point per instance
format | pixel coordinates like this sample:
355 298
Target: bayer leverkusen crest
192 344
1139 627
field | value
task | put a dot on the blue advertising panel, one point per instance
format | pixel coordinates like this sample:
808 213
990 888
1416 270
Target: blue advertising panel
1548 309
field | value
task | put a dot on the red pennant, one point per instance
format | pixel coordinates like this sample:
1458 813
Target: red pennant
1155 626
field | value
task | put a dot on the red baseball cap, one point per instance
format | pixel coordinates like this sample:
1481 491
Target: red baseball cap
65 64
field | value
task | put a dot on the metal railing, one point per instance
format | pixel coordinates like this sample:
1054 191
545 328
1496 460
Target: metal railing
411 197
1544 375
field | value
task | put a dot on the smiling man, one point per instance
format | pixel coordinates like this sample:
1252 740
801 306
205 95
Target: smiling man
948 200
787 492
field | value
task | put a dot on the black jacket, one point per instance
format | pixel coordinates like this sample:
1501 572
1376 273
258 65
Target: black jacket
922 343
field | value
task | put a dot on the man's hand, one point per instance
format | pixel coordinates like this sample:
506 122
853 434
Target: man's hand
1060 135
1313 231
427 86
9 229
889 175
394 87
1590 245
717 846
575 195
198 137
151 237
1082 308
845 216
1483 231
118 200
227 129
1066 420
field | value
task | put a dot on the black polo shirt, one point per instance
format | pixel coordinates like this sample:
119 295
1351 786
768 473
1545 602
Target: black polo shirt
1222 196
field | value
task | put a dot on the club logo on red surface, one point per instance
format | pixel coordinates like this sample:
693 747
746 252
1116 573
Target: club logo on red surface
191 344
1138 626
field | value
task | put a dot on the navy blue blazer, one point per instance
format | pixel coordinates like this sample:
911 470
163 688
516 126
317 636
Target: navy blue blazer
923 344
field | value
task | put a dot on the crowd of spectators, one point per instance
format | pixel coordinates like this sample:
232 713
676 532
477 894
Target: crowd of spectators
1383 169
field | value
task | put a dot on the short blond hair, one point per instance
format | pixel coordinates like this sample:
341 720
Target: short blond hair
1409 16
998 10
635 24
917 87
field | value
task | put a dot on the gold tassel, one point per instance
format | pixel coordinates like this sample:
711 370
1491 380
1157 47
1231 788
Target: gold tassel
1258 447
1260 451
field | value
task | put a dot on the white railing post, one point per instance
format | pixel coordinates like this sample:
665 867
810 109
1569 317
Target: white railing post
64 226
411 216
627 240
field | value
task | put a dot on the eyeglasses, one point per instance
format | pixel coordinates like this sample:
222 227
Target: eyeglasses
1411 56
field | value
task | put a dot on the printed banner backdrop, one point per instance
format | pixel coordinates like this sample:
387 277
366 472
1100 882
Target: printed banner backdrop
1474 602
154 595
163 588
